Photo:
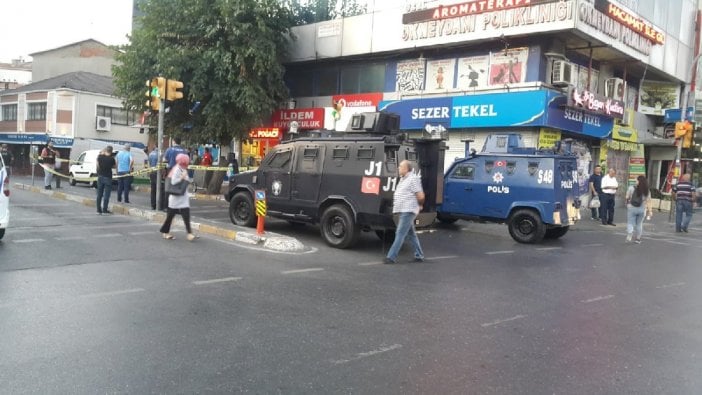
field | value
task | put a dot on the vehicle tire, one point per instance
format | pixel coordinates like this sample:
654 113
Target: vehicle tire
338 227
241 210
2 233
445 219
72 180
387 235
555 233
525 226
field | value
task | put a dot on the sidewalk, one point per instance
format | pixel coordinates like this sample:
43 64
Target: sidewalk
660 220
140 206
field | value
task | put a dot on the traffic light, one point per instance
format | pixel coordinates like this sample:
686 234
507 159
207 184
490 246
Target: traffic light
172 92
156 86
684 130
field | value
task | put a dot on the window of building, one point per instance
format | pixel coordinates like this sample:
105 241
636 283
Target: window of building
118 116
9 112
349 79
327 81
36 111
372 78
300 83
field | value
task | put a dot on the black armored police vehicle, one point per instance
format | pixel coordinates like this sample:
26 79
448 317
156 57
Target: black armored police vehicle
343 181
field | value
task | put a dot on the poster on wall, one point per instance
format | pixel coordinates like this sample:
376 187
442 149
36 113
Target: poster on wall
508 67
410 75
637 164
440 74
473 72
631 96
582 79
548 137
655 97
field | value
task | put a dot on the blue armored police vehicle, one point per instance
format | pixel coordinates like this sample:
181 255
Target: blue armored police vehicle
534 191
343 181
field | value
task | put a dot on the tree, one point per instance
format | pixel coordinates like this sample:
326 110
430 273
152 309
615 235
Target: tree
312 11
227 53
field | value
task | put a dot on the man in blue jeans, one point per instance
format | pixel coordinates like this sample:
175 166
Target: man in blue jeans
684 196
125 165
105 164
407 203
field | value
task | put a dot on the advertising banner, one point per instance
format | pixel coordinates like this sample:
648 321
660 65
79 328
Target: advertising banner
440 74
306 118
655 97
508 67
548 137
410 75
473 72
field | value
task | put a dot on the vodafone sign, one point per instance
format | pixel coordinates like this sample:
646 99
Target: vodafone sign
358 100
306 118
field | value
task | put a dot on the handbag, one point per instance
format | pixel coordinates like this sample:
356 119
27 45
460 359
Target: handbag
177 189
595 202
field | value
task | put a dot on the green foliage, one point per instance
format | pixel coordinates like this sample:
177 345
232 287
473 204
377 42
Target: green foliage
228 53
312 11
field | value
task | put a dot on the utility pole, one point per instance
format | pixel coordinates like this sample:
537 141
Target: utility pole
159 174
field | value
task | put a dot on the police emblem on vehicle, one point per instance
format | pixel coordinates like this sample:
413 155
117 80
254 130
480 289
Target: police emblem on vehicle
277 186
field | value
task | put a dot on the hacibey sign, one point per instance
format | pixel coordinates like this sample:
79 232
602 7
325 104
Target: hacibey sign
593 102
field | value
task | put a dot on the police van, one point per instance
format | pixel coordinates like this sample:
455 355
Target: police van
4 198
343 181
534 191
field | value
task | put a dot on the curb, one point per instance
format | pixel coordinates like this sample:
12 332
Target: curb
194 196
271 242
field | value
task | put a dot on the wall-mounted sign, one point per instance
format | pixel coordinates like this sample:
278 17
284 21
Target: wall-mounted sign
358 100
473 72
631 21
508 67
440 74
264 133
548 137
606 26
307 118
410 75
586 100
465 9
655 97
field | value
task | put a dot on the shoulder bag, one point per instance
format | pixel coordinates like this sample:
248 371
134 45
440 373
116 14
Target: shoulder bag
177 189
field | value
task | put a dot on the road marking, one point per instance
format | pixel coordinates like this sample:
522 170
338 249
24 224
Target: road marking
40 205
436 258
597 299
548 248
516 317
146 232
314 269
368 354
593 245
216 280
67 238
419 232
370 263
113 293
670 285
27 240
107 235
499 252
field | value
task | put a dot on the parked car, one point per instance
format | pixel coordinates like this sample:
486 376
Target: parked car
4 198
84 169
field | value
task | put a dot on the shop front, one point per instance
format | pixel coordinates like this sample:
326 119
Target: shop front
257 145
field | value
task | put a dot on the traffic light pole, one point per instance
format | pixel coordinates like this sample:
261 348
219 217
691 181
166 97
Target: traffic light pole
683 113
159 174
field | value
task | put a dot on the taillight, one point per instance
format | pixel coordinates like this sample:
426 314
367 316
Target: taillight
6 186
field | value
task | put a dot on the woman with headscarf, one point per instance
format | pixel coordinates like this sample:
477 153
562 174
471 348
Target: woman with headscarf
178 204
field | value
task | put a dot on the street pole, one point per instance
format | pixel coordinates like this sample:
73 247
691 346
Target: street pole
159 174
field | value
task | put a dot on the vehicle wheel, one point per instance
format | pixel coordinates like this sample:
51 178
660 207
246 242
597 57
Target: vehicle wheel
2 233
241 210
93 184
525 226
445 219
555 233
72 180
386 235
338 228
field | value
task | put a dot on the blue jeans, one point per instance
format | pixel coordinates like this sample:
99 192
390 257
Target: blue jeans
124 184
405 229
104 189
634 220
682 207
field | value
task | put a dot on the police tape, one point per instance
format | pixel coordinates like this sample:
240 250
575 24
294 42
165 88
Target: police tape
145 170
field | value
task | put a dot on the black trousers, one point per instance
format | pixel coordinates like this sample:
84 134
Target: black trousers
607 208
184 212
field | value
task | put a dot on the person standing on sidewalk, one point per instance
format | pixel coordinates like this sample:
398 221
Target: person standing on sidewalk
638 205
595 184
125 165
105 164
685 194
407 202
153 177
207 161
48 159
178 204
609 190
57 167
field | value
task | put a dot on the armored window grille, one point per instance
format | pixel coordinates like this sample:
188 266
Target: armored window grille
340 153
366 153
511 167
465 172
310 153
411 155
280 160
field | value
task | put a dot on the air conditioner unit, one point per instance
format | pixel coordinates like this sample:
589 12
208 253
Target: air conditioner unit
103 124
563 73
614 88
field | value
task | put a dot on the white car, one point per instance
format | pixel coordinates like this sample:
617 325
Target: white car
84 169
4 198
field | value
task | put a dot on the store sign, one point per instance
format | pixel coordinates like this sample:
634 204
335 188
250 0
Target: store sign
358 100
264 133
625 134
657 97
509 17
584 99
622 145
610 26
560 116
631 21
306 118
548 137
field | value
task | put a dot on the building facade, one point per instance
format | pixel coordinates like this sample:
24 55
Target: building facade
89 55
600 74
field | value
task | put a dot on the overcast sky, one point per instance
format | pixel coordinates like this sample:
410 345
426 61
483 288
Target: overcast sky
29 26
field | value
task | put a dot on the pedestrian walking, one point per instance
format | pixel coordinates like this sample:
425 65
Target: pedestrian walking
57 167
207 161
407 203
48 159
609 187
595 184
125 165
154 178
638 205
685 194
7 157
178 204
105 163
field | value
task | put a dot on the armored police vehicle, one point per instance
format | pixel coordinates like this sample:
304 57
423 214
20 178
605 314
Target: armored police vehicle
343 181
534 191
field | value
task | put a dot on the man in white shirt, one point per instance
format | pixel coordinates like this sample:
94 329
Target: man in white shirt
609 190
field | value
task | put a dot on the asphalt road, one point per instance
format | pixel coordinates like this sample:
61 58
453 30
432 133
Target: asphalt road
101 304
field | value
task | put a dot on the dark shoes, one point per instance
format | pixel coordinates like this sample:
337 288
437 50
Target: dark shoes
416 260
47 187
684 230
107 212
388 261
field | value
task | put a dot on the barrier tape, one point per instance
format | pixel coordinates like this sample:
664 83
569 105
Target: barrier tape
146 170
